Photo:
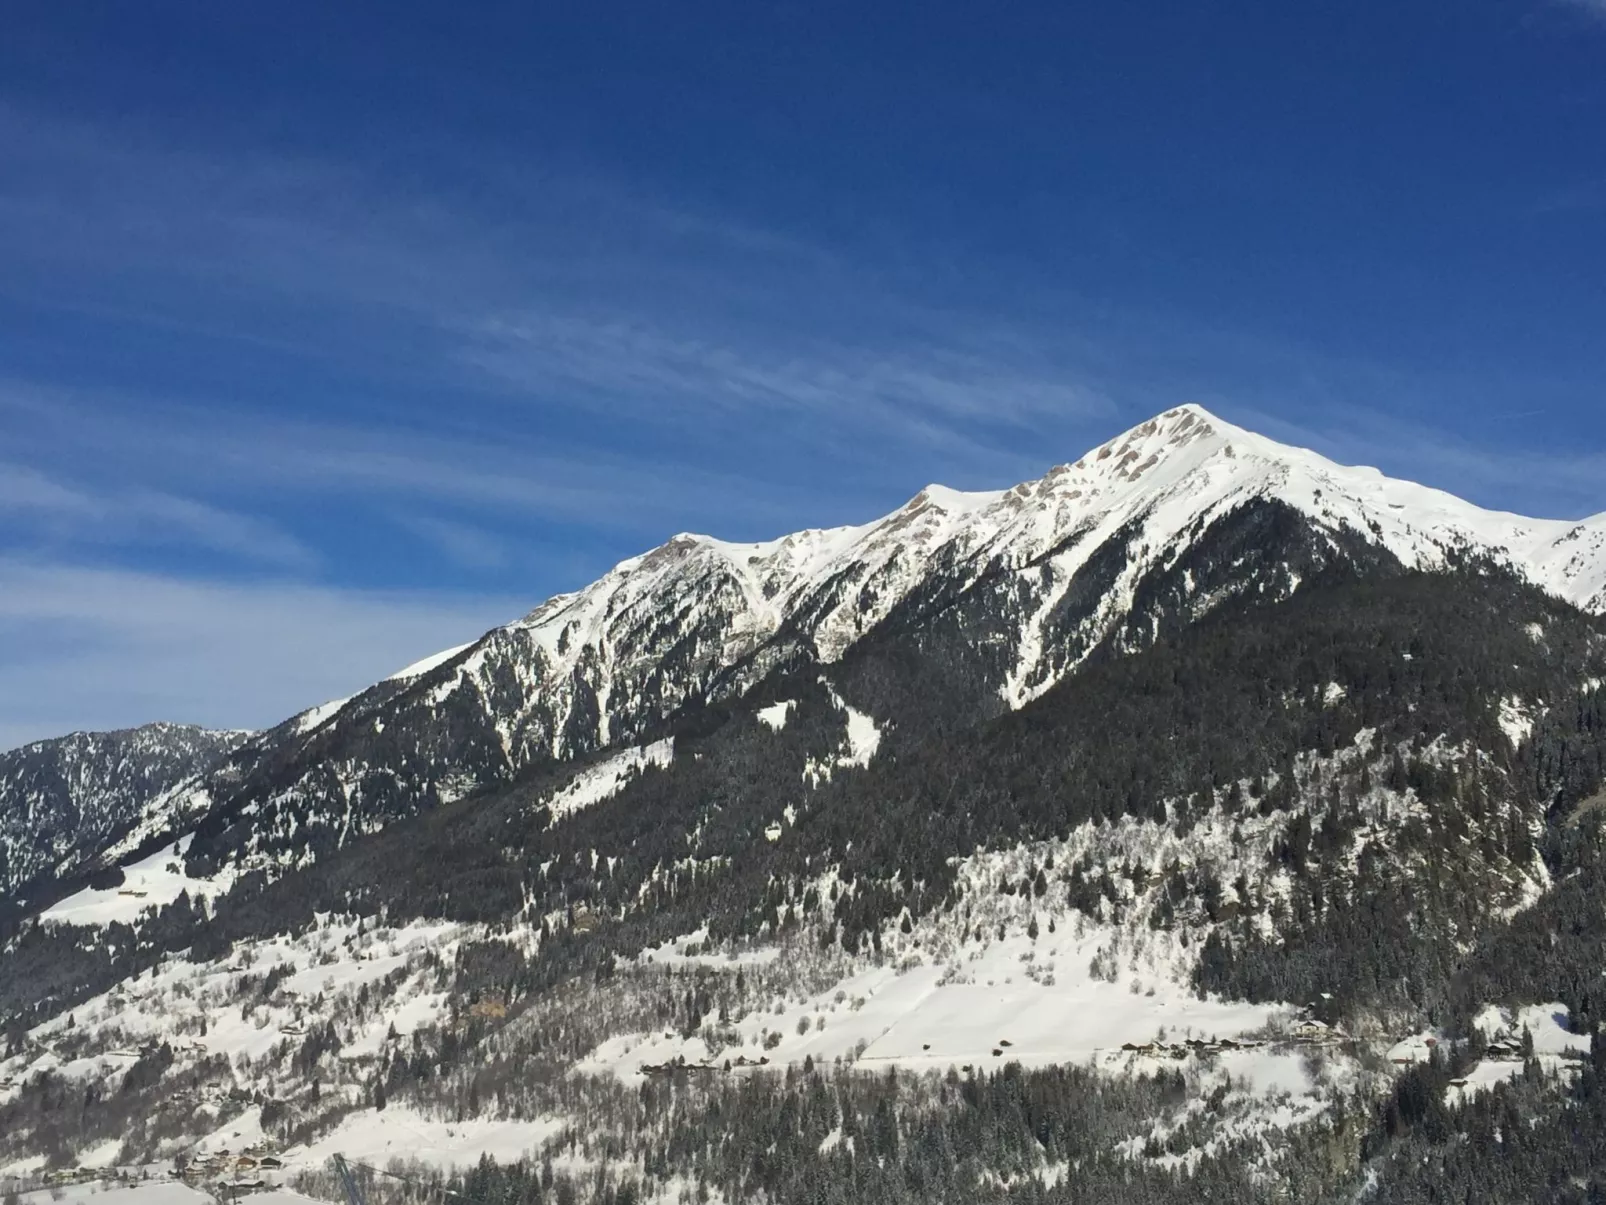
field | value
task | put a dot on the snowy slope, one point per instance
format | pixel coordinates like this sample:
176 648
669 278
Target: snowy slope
151 883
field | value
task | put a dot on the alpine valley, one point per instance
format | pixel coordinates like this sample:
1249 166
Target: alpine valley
1205 820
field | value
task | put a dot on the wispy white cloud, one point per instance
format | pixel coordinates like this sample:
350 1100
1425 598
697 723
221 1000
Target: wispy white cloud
42 506
699 314
539 350
1595 9
469 546
87 647
504 473
24 489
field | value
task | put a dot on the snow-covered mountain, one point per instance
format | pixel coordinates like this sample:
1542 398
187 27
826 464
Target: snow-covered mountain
595 658
63 800
1096 553
1158 783
1164 482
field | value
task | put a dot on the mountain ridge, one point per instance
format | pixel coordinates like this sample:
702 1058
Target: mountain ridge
1057 564
1566 557
783 578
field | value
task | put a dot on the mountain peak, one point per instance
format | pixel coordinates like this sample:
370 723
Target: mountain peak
1183 426
1174 429
1179 420
1168 446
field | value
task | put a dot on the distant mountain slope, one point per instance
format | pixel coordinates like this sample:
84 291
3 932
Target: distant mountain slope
63 801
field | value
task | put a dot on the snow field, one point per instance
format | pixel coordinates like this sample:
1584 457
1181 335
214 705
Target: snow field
152 882
776 714
859 742
693 950
607 778
316 717
168 1192
981 1010
377 1137
419 668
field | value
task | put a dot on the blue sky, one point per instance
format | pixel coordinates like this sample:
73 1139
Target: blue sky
334 334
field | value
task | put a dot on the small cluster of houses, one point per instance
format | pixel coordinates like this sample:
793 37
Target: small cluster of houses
1305 1031
213 1095
1308 1031
1504 1049
1507 1048
62 1176
240 1172
1181 1050
661 1069
679 1066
